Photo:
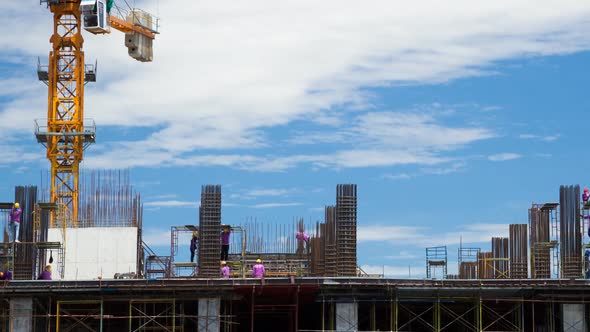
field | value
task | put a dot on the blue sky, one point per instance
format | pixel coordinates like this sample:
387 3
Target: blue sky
451 117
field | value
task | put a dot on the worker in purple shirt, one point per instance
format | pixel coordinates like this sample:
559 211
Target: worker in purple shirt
194 244
224 273
46 274
258 269
586 196
225 242
302 240
14 224
6 275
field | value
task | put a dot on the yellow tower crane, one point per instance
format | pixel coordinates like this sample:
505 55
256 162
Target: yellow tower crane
66 133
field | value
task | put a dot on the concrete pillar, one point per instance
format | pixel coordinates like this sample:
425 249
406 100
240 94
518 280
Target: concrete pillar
21 314
209 309
573 317
347 316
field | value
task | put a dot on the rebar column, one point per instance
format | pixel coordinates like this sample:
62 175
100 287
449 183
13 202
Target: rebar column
330 254
209 231
570 236
539 224
346 220
518 251
500 256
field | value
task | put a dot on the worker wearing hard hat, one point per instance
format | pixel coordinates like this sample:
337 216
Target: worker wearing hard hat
7 274
46 274
194 244
224 273
14 224
258 269
224 238
302 241
586 196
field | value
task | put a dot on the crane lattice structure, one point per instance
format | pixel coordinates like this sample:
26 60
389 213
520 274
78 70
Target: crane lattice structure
66 133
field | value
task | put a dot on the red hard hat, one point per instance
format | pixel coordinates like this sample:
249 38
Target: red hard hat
585 190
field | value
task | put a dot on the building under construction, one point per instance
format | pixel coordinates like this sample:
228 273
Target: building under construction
530 281
89 229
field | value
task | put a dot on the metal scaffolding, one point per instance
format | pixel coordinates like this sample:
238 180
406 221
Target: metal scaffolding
182 268
500 257
436 259
543 239
467 260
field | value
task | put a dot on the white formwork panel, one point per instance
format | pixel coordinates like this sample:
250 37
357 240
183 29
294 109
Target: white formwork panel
97 251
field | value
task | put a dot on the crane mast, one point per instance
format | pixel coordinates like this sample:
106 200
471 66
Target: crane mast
66 133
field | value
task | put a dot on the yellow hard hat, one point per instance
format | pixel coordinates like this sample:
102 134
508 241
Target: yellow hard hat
16 205
195 234
223 263
259 260
48 268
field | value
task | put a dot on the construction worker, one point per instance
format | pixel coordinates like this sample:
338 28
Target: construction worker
7 274
194 244
258 269
225 242
586 196
46 274
224 273
302 240
14 224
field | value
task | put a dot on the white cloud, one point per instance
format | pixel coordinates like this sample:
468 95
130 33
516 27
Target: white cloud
404 254
423 236
548 138
551 138
504 156
453 168
225 72
268 192
274 205
443 170
389 233
543 155
172 203
415 131
474 233
301 138
156 237
11 154
390 271
164 196
401 176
